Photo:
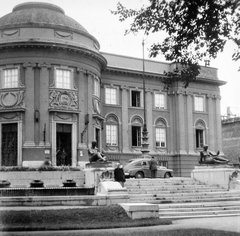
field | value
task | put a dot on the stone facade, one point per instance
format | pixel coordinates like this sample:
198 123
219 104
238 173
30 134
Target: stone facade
231 139
58 91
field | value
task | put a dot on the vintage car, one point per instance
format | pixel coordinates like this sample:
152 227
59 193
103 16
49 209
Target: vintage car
139 168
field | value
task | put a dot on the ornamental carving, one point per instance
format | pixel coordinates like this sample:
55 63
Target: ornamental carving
12 100
63 100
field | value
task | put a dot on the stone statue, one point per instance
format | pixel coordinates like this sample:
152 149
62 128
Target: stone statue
206 157
95 154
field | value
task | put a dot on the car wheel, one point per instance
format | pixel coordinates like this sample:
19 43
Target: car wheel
139 175
167 175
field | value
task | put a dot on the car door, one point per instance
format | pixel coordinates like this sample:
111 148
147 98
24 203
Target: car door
146 170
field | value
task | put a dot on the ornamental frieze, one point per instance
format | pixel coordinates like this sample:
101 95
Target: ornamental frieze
12 100
63 100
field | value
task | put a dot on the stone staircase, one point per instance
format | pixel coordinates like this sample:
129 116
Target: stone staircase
184 197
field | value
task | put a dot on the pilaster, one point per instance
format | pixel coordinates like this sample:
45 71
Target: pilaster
181 122
190 126
211 125
44 120
218 124
125 122
29 97
149 118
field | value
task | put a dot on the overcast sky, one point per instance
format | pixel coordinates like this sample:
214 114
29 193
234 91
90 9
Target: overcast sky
96 18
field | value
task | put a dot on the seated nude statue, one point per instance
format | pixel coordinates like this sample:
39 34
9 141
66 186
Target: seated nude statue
95 154
206 157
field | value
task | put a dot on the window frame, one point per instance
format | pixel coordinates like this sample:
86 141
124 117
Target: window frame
200 127
160 125
138 135
96 87
164 101
71 77
111 100
196 105
140 97
112 135
2 80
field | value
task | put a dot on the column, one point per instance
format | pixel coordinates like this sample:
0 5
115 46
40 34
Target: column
218 124
149 118
44 120
90 131
190 125
29 102
211 126
125 120
181 123
74 140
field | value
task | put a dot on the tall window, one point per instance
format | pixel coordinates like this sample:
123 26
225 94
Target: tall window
10 78
160 134
96 87
111 96
160 101
137 132
136 98
64 79
200 134
112 130
111 134
199 103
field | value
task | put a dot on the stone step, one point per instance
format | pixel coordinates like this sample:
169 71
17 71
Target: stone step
188 195
181 200
199 205
151 182
156 191
200 214
171 186
197 209
162 189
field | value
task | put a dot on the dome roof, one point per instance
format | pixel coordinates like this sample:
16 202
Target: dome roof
39 14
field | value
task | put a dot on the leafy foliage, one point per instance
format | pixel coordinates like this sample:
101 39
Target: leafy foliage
196 30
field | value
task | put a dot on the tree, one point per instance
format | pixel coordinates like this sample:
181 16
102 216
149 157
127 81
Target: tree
197 30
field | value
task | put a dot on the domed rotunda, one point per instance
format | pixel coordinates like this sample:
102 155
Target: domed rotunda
50 77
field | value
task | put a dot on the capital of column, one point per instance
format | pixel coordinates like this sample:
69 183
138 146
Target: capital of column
44 65
124 87
29 64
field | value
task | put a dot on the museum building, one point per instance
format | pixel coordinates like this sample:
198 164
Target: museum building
58 92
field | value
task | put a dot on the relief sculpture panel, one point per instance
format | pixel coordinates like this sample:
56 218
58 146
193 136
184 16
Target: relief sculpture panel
9 100
63 100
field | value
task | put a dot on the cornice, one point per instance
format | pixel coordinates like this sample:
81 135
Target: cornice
56 46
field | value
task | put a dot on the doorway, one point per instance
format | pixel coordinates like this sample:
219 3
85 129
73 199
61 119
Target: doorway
97 138
9 144
64 144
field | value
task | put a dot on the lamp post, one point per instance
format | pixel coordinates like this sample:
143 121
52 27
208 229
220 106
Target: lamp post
145 143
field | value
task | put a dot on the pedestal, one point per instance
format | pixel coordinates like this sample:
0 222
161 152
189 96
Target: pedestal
213 174
100 175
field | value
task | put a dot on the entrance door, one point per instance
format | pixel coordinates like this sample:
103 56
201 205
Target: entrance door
97 137
64 144
9 144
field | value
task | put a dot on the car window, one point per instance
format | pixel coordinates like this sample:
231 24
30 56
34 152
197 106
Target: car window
138 164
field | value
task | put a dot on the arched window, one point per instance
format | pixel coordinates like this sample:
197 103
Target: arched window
112 130
137 124
200 133
161 134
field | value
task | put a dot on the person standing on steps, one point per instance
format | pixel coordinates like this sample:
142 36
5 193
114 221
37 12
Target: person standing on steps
153 167
119 174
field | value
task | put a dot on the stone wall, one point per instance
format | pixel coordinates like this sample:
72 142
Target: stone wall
231 138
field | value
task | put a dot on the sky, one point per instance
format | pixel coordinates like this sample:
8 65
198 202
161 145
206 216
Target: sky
95 16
